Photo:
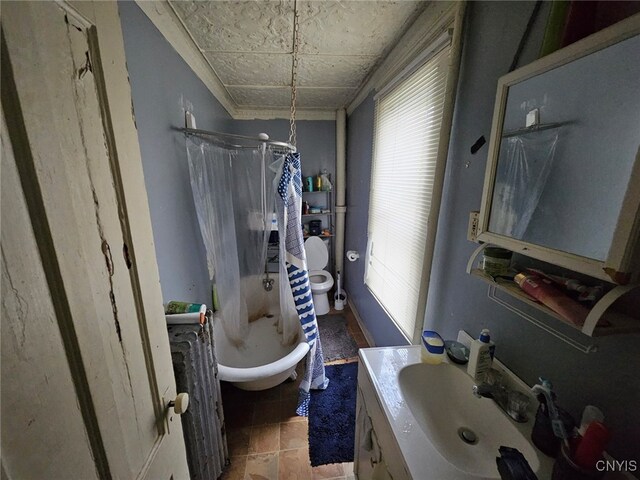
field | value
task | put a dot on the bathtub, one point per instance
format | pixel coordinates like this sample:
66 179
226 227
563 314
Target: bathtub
262 362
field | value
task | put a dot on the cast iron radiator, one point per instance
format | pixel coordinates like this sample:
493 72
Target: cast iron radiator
196 371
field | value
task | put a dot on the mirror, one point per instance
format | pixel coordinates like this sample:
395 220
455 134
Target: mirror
563 156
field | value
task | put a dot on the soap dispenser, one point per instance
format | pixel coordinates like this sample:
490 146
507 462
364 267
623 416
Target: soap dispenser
480 357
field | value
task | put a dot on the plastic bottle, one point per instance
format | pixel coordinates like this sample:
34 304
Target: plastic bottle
174 307
326 184
480 357
553 298
432 347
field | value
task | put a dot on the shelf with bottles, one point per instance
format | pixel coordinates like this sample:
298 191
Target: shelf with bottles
615 311
316 214
317 205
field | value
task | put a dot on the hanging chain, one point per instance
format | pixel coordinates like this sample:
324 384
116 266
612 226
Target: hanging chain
294 74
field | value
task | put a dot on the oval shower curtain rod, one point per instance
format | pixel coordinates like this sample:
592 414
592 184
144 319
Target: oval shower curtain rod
262 138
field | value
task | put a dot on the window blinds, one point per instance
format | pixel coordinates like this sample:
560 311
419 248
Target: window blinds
405 148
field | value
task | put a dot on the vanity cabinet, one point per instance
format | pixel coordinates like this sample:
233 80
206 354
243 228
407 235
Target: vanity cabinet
377 454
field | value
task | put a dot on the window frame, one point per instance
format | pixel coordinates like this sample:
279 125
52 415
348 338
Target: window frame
450 37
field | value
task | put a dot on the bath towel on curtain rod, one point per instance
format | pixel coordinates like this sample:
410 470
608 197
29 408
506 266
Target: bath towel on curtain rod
289 209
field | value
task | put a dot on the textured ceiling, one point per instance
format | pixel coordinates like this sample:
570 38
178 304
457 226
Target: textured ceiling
249 46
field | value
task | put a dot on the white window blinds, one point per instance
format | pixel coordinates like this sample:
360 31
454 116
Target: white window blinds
407 126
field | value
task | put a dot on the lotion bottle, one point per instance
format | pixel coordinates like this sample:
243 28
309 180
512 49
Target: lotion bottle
480 357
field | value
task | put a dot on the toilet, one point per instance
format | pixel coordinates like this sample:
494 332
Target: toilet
321 281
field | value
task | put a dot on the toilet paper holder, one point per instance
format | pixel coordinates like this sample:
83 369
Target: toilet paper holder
352 255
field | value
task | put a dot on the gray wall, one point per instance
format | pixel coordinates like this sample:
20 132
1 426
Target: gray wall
316 142
162 84
607 378
458 301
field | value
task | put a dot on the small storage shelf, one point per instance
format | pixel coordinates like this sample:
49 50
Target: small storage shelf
616 313
320 236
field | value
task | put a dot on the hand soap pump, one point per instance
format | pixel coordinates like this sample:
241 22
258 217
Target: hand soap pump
480 356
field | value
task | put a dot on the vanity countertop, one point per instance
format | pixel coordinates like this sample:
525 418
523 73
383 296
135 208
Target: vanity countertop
423 461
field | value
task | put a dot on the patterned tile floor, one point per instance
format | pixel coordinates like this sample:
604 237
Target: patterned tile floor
267 440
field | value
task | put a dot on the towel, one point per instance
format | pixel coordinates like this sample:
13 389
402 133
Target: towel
290 230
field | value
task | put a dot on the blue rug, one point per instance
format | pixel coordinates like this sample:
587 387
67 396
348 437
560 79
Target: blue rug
332 416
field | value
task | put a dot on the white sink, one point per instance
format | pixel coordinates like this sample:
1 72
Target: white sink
441 400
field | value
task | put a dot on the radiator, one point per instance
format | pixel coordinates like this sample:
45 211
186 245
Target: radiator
196 372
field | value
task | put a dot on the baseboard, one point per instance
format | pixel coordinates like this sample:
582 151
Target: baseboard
365 332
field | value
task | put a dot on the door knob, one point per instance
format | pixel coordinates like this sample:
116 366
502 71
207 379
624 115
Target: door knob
180 404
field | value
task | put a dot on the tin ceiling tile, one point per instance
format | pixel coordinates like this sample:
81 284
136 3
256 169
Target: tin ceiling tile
261 96
248 44
354 28
240 26
334 71
251 68
325 98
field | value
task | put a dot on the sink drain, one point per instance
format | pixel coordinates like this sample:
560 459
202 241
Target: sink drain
467 435
269 315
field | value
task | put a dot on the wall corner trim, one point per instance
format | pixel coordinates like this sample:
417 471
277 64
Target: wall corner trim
258 113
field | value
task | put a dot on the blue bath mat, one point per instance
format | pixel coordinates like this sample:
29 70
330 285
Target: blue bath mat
332 416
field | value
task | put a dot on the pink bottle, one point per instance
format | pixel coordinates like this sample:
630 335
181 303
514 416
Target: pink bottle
553 298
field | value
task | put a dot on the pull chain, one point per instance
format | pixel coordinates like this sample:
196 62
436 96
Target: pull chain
294 74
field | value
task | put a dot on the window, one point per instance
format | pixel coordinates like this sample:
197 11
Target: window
407 124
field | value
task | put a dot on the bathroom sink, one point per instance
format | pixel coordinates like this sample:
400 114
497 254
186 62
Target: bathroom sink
467 431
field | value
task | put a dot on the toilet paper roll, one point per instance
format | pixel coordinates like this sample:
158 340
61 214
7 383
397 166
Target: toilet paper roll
352 255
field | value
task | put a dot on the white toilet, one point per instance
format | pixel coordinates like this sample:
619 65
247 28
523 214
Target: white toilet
321 280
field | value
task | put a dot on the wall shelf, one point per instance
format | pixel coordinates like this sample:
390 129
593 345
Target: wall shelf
616 313
321 236
322 199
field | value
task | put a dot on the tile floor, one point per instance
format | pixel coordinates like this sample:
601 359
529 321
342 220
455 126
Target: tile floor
266 439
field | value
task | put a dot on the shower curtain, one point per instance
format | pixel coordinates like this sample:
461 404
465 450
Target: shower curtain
234 206
289 208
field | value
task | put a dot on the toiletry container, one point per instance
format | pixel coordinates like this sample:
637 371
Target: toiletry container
432 347
326 184
496 261
315 227
308 181
480 357
553 298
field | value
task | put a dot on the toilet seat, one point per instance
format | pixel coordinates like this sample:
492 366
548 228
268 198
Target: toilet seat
324 284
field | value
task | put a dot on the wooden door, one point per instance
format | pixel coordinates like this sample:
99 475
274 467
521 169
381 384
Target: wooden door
86 366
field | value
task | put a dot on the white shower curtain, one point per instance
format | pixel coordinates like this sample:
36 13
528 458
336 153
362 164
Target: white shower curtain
235 204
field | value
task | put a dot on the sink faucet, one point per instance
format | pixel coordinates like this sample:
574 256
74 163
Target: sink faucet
511 403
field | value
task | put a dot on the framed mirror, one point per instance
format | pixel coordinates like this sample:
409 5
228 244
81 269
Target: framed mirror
563 173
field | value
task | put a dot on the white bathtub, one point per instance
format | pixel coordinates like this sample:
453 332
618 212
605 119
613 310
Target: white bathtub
262 362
